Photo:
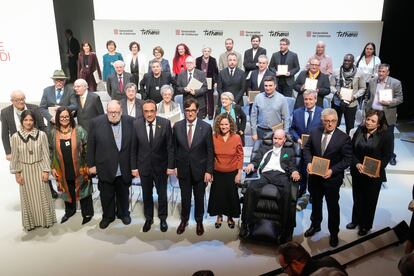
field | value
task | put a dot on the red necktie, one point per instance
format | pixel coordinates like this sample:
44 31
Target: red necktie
190 134
121 85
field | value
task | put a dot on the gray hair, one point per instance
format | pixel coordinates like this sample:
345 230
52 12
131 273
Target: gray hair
119 62
263 57
228 95
16 93
189 59
166 87
310 92
131 85
81 82
206 47
328 112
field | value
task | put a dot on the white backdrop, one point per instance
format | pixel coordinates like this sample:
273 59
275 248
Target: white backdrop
341 37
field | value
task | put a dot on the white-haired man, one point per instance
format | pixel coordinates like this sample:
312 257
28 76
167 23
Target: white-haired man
115 85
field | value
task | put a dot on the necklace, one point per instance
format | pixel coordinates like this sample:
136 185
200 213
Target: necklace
66 132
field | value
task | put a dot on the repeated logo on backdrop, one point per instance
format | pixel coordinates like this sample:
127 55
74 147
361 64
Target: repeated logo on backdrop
318 34
150 31
347 33
186 32
4 54
250 33
124 32
273 33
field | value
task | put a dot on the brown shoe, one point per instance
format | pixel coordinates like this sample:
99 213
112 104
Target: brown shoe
200 229
181 227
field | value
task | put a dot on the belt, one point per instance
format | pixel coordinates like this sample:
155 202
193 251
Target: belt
265 128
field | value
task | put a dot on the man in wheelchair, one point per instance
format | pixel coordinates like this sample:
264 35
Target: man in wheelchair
275 165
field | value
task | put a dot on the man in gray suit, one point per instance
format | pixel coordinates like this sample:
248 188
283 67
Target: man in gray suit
115 85
377 86
183 80
285 57
229 43
89 104
55 96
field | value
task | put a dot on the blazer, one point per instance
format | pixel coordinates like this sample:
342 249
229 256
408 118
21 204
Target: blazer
138 108
197 159
240 118
165 65
102 150
92 108
49 99
390 110
8 125
236 84
142 65
251 82
358 86
93 64
223 62
297 128
149 91
249 62
292 62
212 69
323 85
74 47
182 81
157 159
112 85
287 159
338 151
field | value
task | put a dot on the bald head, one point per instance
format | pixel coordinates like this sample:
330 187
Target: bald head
279 138
190 63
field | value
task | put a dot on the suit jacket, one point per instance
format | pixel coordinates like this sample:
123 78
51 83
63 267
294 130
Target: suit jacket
390 110
358 86
249 62
236 84
252 84
138 108
149 91
142 65
74 47
287 159
197 159
92 108
49 99
223 62
323 85
8 125
338 151
112 85
87 72
292 62
297 128
102 150
182 81
156 159
212 70
240 118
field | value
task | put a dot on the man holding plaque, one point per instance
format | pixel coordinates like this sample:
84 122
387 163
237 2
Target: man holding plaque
255 80
371 147
327 154
347 85
385 93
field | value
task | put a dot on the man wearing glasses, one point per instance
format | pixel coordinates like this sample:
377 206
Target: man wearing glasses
194 158
332 144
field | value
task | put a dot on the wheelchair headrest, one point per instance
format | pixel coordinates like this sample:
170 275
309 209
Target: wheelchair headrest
268 140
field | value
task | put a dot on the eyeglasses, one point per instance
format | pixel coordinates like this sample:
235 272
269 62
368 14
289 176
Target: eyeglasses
330 121
190 110
19 99
114 112
314 64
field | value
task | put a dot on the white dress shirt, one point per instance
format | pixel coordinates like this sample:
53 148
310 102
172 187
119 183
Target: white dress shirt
274 162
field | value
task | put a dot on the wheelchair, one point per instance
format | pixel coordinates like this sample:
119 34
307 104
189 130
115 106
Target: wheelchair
267 214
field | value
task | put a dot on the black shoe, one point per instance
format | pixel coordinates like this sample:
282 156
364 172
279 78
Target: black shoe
66 217
85 220
231 223
210 118
244 231
199 229
393 161
163 225
312 230
126 220
362 232
181 227
105 223
54 193
333 240
218 222
147 225
351 225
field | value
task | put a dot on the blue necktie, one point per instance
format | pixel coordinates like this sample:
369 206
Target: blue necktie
308 122
59 95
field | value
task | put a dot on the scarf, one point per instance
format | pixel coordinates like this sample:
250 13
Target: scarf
232 113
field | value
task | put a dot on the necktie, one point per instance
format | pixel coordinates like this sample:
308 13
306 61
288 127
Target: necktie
151 134
121 85
308 122
324 142
190 134
59 95
82 101
265 161
190 77
231 72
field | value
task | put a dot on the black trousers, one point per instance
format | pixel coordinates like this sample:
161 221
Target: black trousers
209 97
365 193
114 198
320 188
391 132
147 183
187 185
73 68
252 196
86 203
348 112
283 88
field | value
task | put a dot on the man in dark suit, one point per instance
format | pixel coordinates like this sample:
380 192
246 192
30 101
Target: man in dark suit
275 167
303 121
255 80
89 104
150 85
154 161
131 105
194 158
232 79
183 80
55 96
332 144
10 118
285 57
115 85
72 52
109 156
251 55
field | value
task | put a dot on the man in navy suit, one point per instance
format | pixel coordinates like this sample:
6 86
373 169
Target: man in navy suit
232 79
251 55
255 80
330 143
109 155
153 161
304 120
194 159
